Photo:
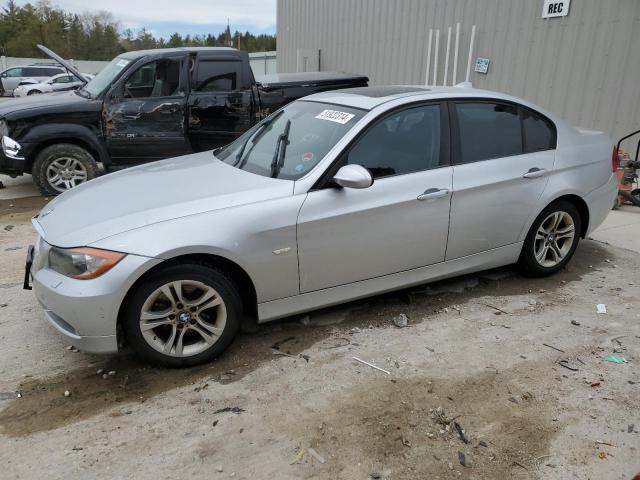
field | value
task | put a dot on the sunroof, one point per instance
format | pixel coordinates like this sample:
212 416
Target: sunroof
377 92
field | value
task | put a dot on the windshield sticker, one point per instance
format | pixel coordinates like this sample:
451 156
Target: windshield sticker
307 157
122 63
299 168
335 116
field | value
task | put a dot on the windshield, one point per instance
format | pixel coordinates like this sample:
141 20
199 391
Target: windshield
289 143
106 76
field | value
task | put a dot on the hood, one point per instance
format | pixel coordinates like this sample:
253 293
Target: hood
152 193
62 62
50 101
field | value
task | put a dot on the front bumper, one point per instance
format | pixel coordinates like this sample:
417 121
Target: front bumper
85 311
13 166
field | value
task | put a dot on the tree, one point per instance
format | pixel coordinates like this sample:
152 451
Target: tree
175 40
97 36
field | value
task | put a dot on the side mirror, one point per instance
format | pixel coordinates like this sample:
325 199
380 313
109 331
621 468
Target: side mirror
353 176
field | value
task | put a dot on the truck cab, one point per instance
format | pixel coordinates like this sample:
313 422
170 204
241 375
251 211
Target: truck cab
145 106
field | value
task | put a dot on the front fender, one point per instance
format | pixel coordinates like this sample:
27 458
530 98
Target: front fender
61 133
259 237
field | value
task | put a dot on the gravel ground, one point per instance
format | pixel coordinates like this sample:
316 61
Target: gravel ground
494 354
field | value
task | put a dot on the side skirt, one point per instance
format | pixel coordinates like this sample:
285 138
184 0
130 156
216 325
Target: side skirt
305 302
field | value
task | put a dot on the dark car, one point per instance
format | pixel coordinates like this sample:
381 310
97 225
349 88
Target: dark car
145 106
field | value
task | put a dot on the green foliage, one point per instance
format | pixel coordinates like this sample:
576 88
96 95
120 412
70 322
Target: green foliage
97 36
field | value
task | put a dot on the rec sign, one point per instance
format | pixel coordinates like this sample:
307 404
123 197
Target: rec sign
552 8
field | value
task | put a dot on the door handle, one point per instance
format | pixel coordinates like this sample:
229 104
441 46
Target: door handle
432 193
535 172
168 109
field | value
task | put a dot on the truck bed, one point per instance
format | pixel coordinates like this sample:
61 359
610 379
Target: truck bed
309 79
281 88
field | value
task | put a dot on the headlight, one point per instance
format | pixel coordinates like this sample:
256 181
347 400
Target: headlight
82 263
11 148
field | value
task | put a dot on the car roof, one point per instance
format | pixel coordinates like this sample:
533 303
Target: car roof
135 54
368 98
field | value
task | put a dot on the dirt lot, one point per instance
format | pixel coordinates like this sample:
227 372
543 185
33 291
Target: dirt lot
495 354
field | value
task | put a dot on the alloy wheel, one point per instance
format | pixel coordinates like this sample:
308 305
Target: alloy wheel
554 239
183 318
65 173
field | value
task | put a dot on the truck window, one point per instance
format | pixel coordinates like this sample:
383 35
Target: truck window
160 78
217 75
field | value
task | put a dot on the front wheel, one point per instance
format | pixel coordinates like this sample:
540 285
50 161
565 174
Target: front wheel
34 92
552 239
183 315
60 167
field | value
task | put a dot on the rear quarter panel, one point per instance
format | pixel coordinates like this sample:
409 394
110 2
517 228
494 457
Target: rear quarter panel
582 166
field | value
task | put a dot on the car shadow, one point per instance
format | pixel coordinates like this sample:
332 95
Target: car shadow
42 404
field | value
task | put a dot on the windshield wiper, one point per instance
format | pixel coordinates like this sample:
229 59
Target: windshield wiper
256 135
281 148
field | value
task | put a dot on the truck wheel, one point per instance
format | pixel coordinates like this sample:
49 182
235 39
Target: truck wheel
60 167
552 240
182 315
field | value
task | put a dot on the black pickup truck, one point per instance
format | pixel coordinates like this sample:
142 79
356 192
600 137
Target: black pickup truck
145 106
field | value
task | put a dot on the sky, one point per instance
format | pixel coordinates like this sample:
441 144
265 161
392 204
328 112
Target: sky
164 17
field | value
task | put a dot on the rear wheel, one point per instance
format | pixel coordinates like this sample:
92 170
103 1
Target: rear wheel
60 167
552 239
183 315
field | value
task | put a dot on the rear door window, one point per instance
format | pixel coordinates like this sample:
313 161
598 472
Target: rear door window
31 72
488 130
539 133
217 75
39 72
64 79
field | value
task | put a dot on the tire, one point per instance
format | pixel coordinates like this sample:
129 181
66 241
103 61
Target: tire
560 246
33 92
177 326
80 168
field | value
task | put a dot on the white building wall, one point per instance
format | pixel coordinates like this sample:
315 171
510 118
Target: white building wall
584 67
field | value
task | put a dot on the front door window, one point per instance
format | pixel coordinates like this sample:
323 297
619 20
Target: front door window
160 78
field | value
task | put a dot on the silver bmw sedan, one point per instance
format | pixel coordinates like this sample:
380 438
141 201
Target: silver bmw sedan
336 196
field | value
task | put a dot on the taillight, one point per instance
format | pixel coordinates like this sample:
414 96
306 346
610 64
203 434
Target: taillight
614 159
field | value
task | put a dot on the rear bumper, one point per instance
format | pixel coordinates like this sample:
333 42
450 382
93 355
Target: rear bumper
600 202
